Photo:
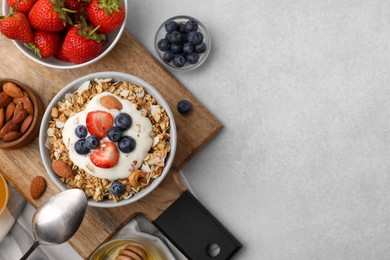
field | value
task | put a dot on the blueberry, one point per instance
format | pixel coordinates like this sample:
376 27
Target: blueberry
191 26
176 48
80 147
114 134
182 27
195 37
92 142
123 121
188 48
179 61
184 106
193 58
126 144
81 131
168 56
117 189
174 37
171 26
164 45
184 38
201 48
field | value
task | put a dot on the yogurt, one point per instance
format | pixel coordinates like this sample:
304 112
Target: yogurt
141 130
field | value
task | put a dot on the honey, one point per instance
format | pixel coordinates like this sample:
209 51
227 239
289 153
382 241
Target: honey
111 250
3 193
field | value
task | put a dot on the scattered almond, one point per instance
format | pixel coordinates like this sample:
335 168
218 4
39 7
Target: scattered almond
4 99
9 112
19 116
12 90
37 187
62 169
26 124
2 117
111 102
11 136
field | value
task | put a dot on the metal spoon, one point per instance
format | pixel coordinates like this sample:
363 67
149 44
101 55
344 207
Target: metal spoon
56 220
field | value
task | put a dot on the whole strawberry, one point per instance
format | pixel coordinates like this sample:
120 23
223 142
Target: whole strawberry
82 44
45 44
16 26
23 6
76 5
109 14
49 15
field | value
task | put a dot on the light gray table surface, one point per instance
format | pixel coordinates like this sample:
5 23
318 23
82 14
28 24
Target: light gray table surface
301 168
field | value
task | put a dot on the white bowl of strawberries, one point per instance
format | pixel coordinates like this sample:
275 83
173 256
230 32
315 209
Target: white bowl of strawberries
64 34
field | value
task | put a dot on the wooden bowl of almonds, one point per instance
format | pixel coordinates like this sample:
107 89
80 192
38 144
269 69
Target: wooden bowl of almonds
21 112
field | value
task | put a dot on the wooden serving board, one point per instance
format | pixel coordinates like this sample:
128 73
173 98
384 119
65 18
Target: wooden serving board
129 56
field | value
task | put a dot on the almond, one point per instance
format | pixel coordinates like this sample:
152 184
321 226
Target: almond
9 112
26 124
8 127
2 117
111 102
28 105
19 116
12 90
37 187
62 169
4 99
19 106
11 136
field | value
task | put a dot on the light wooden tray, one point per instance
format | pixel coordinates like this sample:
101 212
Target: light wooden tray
194 131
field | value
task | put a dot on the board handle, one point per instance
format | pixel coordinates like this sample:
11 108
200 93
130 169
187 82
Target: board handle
195 231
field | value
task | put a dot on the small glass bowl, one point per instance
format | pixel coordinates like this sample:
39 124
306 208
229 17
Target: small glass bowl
4 194
206 39
111 249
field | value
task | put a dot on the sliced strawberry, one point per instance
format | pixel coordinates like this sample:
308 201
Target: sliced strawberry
105 156
98 122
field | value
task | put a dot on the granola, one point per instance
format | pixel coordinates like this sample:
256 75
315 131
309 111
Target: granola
153 164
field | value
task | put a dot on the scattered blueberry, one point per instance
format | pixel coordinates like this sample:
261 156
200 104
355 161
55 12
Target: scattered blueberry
80 147
123 121
92 142
168 56
201 48
188 48
164 45
195 37
114 134
191 26
117 189
184 106
171 26
176 48
126 144
179 60
81 131
193 58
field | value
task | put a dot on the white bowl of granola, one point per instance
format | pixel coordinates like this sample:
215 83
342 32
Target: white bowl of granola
110 134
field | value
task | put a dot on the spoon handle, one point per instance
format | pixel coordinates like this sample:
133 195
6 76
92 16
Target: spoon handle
32 248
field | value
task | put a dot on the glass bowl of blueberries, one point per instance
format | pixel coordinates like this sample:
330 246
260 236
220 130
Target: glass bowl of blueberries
182 43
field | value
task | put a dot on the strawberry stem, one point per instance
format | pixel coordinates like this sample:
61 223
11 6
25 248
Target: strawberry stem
110 5
34 49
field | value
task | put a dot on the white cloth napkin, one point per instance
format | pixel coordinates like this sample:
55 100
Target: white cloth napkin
14 207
